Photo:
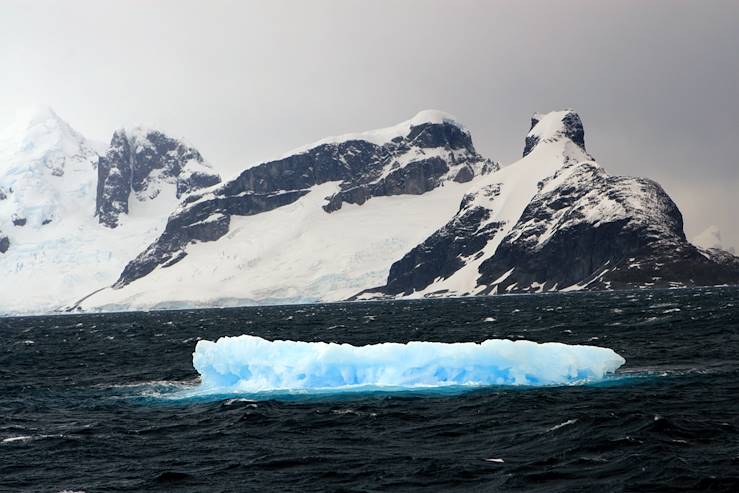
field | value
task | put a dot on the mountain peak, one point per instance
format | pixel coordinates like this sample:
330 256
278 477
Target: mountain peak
434 117
39 138
710 238
555 126
47 170
382 136
33 119
36 114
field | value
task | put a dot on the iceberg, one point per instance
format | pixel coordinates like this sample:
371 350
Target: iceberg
251 364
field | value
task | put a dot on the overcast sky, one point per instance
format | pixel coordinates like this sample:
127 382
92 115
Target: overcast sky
656 82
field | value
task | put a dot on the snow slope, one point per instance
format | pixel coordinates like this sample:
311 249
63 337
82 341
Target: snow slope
295 253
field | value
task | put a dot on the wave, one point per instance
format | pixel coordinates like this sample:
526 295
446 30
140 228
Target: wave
252 364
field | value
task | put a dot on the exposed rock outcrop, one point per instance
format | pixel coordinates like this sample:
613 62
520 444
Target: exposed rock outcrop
141 162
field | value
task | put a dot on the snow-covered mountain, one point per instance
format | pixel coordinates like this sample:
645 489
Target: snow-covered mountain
556 220
53 247
321 223
45 169
411 210
449 261
415 210
710 239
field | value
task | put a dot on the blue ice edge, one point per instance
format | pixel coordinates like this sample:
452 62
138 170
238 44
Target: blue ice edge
255 368
177 394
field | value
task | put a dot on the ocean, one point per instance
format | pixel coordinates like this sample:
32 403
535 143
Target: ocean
91 402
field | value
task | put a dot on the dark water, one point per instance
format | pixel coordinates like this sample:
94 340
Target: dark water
84 405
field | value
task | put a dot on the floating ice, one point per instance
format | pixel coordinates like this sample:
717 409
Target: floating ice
252 364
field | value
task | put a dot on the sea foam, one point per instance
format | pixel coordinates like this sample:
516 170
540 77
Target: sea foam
252 364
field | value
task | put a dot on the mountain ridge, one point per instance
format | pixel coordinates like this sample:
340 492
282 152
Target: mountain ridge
412 209
429 154
509 232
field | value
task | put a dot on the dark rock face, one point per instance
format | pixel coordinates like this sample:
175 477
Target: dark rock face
669 266
406 165
592 231
415 178
431 135
465 174
4 243
563 238
574 129
413 164
722 257
114 181
422 172
327 162
358 163
18 220
139 163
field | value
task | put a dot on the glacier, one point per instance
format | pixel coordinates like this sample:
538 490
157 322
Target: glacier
251 364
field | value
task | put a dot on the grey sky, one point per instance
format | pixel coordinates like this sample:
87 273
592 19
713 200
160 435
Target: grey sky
656 82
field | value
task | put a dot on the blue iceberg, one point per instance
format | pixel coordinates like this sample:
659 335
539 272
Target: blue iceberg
247 364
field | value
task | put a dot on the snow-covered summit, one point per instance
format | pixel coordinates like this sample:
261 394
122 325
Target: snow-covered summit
46 168
382 136
38 136
31 116
555 126
711 239
433 116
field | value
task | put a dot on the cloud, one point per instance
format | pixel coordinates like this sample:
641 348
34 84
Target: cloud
246 81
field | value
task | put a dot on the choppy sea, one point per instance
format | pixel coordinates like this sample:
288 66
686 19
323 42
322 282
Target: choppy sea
92 402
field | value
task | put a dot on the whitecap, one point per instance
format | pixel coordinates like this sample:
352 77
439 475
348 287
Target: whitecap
28 438
22 438
562 425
